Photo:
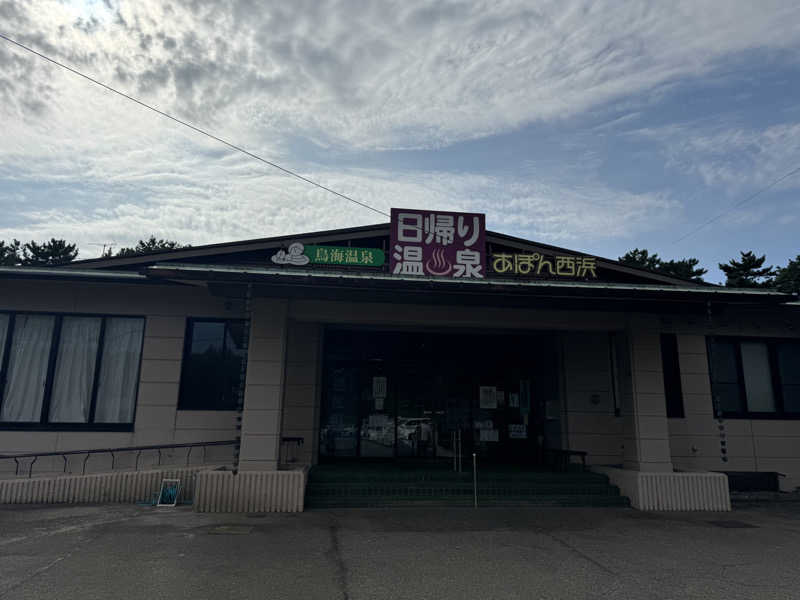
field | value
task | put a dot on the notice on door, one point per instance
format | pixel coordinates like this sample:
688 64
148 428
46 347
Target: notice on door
518 431
379 388
488 397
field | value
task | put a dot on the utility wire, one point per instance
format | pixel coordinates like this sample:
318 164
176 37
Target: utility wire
738 204
193 127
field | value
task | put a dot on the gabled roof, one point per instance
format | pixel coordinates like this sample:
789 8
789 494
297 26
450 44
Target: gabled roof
219 251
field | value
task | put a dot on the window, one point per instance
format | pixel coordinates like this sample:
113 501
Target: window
672 375
212 364
68 371
755 378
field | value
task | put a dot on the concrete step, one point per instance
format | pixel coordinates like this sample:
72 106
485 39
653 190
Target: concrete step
572 500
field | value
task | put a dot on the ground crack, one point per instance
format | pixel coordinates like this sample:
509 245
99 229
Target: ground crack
335 555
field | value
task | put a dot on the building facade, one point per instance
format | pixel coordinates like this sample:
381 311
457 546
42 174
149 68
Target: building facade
409 341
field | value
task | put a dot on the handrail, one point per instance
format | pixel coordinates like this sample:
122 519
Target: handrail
138 449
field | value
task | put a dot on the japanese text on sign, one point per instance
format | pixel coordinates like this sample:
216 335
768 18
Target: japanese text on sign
442 244
536 264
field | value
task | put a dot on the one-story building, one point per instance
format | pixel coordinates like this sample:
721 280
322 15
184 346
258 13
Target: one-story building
415 340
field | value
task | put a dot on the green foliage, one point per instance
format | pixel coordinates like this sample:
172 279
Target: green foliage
148 246
34 254
47 254
748 272
685 268
11 253
787 279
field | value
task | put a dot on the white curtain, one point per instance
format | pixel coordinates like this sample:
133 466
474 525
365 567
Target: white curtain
27 368
74 376
119 370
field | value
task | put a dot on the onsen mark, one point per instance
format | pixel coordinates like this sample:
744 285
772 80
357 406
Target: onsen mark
437 264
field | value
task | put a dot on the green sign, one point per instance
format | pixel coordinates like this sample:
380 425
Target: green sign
343 255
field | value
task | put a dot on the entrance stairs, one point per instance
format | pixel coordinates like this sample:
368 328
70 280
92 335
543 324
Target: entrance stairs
436 484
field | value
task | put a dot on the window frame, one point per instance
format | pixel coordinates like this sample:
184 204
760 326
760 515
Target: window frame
187 352
44 424
780 413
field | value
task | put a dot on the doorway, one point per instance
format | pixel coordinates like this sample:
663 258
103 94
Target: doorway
421 395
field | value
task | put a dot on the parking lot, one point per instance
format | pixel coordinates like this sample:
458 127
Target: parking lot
143 552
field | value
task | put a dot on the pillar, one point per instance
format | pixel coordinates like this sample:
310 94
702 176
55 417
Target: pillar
264 386
644 411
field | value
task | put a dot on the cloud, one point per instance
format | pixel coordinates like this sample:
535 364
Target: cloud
395 75
733 158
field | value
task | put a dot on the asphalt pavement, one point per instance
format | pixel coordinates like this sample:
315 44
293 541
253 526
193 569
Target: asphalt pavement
141 552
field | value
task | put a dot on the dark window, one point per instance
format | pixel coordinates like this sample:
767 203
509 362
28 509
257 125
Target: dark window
212 364
672 375
68 371
753 377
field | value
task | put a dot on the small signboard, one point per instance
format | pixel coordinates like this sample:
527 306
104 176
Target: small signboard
168 496
299 255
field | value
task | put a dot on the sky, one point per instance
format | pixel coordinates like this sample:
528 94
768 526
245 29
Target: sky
597 126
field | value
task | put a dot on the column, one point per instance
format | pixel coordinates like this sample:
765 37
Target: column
644 408
263 395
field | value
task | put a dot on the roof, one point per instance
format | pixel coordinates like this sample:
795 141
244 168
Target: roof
350 233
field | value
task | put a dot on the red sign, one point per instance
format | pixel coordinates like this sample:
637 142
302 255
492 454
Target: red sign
442 244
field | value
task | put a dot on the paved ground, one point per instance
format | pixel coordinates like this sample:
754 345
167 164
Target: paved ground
130 552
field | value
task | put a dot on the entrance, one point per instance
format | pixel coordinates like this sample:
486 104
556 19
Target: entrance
414 395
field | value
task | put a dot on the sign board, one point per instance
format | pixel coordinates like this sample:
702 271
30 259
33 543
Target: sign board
168 496
438 243
535 264
299 255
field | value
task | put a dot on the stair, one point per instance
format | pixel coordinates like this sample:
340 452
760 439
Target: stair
389 485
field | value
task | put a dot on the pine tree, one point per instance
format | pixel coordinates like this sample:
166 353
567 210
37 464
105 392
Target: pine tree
152 244
748 272
685 268
10 253
787 279
54 252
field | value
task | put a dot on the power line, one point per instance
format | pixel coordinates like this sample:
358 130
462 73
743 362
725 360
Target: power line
193 127
738 204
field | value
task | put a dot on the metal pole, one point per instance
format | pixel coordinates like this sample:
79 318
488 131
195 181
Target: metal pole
475 479
453 445
460 453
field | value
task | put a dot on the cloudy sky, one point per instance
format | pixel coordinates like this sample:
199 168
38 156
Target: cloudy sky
599 126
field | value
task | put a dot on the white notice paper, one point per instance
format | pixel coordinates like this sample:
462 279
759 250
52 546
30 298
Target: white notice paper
488 397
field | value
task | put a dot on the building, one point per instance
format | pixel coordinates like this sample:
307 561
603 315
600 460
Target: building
414 340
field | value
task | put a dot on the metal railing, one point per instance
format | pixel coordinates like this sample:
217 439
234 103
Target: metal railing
113 452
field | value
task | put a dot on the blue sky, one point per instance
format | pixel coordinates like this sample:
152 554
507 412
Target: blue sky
596 126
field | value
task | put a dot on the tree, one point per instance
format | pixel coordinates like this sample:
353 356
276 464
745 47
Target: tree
10 254
148 246
46 254
787 279
685 268
641 259
749 272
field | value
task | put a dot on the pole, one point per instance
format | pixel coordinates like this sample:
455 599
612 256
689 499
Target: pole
460 456
455 459
475 479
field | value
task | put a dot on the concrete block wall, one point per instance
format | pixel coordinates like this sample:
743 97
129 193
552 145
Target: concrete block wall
590 421
157 418
301 401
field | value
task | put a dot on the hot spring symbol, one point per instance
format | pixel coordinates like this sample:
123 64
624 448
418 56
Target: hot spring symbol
437 264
